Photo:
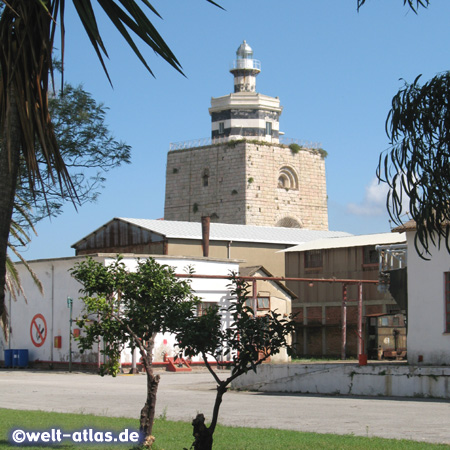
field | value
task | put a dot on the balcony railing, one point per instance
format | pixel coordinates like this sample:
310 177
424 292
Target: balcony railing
252 64
205 142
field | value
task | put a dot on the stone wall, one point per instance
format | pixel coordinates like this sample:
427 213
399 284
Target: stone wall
349 379
247 183
206 181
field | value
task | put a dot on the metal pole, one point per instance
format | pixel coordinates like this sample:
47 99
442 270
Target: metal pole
133 362
360 336
344 322
255 298
69 304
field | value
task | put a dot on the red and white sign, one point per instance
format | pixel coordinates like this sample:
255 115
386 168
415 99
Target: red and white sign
38 330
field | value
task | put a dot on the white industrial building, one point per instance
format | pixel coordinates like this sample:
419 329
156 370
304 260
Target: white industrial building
428 302
40 325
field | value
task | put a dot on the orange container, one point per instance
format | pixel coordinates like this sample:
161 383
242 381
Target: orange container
362 360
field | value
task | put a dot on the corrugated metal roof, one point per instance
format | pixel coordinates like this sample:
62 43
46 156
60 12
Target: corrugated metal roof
228 232
350 241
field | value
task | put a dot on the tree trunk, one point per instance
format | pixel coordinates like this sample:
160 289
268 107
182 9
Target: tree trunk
204 435
9 169
148 411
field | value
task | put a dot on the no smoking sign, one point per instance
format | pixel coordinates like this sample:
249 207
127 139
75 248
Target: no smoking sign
38 330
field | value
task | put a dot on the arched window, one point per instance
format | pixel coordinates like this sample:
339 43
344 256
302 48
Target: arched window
288 222
287 178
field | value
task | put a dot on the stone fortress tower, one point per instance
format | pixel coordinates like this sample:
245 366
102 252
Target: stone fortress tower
243 174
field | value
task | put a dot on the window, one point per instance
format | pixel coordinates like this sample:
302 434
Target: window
269 128
204 306
447 302
370 255
205 177
262 303
313 259
221 127
287 178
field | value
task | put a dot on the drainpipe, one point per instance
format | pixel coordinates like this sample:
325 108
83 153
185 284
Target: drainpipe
133 362
69 305
360 350
255 298
229 249
9 324
53 315
206 220
344 322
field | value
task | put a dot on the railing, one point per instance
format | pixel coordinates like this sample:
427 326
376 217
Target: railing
306 144
246 64
205 142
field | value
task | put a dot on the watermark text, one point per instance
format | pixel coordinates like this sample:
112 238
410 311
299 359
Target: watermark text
88 435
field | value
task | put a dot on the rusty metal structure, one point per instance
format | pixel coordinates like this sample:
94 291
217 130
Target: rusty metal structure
344 282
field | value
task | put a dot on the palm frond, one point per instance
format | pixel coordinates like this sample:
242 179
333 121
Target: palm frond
26 46
18 232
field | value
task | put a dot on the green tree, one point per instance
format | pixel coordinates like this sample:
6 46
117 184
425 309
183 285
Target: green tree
250 340
417 164
88 149
128 308
27 32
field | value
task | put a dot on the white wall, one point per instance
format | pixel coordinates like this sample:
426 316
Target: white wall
426 306
209 290
52 306
399 380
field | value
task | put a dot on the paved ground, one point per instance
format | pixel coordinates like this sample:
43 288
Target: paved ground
182 395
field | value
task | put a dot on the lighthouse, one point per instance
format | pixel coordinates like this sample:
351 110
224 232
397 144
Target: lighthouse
245 68
245 113
242 174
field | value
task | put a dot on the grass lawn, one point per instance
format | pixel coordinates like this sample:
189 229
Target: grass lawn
176 435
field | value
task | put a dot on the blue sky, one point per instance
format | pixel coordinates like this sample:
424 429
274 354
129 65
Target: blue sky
334 70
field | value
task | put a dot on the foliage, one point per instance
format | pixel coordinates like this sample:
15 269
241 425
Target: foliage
413 4
21 238
27 33
417 164
128 309
295 148
86 146
13 283
88 150
249 341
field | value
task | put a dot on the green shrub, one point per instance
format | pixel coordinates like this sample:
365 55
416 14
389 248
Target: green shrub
295 148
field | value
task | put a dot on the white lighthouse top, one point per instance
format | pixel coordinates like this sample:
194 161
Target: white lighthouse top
244 60
244 51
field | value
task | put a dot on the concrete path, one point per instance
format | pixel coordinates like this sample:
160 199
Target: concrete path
182 395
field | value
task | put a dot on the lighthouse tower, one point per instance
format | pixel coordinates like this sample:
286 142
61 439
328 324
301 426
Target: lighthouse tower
244 175
245 68
245 113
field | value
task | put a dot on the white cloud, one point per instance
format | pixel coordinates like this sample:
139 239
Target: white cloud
374 201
